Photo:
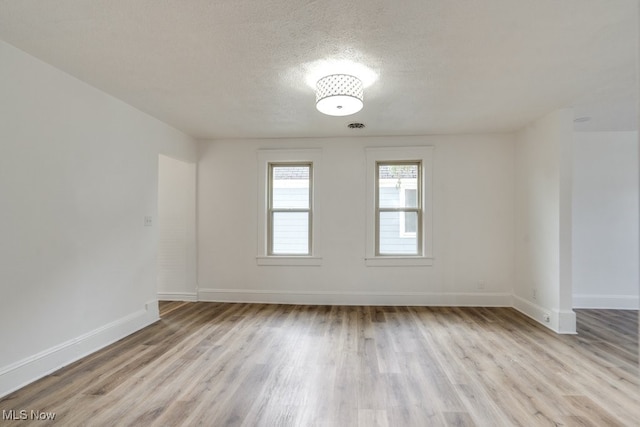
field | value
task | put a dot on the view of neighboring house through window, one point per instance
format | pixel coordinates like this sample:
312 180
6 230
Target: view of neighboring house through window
398 208
289 209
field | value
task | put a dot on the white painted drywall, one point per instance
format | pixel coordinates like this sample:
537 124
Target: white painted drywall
177 228
543 220
473 193
78 175
605 220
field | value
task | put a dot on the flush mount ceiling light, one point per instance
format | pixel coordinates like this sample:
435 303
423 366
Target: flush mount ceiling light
339 95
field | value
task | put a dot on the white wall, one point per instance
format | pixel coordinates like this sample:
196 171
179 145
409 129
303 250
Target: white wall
473 226
78 174
543 220
177 230
605 220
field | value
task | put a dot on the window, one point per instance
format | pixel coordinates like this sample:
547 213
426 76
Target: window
289 216
288 230
399 212
398 208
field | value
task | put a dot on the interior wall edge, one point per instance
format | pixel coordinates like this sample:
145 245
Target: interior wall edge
559 321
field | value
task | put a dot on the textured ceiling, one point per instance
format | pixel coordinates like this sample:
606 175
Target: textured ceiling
243 68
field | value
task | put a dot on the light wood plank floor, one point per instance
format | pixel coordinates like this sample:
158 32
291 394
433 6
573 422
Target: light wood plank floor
217 364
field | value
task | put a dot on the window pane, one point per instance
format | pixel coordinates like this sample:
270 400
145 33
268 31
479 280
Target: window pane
410 198
410 222
290 233
393 181
392 242
290 187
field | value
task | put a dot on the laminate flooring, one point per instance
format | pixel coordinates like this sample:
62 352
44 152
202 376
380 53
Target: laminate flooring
220 364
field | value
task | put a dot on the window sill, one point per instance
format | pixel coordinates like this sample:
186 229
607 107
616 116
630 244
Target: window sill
289 260
398 261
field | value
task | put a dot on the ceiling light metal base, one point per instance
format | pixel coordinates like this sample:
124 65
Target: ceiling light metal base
339 95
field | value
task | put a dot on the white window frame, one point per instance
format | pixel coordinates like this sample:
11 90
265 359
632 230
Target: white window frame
424 155
271 211
285 156
401 209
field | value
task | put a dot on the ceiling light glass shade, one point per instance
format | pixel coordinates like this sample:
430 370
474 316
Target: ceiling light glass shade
339 95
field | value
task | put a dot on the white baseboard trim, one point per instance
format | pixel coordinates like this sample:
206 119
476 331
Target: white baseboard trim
560 321
612 302
178 296
356 298
32 368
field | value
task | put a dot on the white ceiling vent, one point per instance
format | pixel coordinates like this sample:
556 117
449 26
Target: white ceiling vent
355 125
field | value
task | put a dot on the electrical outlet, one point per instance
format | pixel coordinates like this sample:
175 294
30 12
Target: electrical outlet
148 221
546 318
534 294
